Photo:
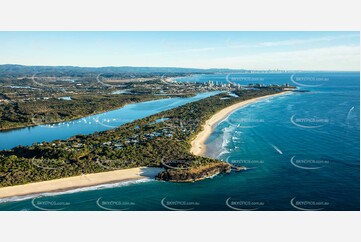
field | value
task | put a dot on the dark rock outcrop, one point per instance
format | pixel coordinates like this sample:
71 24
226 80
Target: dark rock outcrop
195 173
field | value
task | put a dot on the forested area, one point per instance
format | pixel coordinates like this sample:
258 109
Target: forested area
160 139
52 110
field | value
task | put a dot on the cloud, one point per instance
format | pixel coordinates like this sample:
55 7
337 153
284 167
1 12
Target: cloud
191 50
330 58
292 42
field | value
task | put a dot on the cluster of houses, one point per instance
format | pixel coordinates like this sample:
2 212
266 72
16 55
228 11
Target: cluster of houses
4 101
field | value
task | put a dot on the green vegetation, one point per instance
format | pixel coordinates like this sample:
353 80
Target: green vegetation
153 141
52 110
194 173
30 100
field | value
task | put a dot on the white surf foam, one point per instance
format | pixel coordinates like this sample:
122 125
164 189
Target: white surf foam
76 190
277 149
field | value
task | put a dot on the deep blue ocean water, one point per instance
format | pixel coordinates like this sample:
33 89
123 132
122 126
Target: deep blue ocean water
302 151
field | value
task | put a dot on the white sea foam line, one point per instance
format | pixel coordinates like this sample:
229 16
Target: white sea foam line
225 140
223 149
277 149
76 190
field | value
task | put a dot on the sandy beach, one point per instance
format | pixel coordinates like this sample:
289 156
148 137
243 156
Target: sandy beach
87 180
198 146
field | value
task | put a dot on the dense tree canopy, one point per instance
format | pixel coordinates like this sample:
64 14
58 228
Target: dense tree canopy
151 141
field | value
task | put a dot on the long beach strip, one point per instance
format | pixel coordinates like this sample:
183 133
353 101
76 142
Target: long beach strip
198 144
88 180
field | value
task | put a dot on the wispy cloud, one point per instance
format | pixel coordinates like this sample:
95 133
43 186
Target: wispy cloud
280 43
196 50
184 51
291 42
330 58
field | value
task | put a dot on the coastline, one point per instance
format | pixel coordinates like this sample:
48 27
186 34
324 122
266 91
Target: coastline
198 146
116 176
75 182
29 125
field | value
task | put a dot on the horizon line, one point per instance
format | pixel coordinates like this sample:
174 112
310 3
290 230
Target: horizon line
195 68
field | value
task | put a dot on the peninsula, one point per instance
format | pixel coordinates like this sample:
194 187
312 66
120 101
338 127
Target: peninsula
172 140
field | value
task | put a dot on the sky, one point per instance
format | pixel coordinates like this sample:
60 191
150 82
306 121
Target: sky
339 51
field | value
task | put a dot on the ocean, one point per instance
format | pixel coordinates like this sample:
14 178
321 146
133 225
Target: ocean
301 151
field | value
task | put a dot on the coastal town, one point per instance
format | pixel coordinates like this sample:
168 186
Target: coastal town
74 95
152 141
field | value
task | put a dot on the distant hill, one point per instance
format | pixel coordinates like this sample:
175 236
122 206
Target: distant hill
10 69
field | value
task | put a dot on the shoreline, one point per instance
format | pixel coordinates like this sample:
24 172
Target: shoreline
198 143
74 118
30 125
75 182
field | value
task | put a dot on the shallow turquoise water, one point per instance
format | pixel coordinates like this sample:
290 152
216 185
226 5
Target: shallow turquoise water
302 151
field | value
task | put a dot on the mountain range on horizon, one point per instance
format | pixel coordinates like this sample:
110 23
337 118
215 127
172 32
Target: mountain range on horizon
12 69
